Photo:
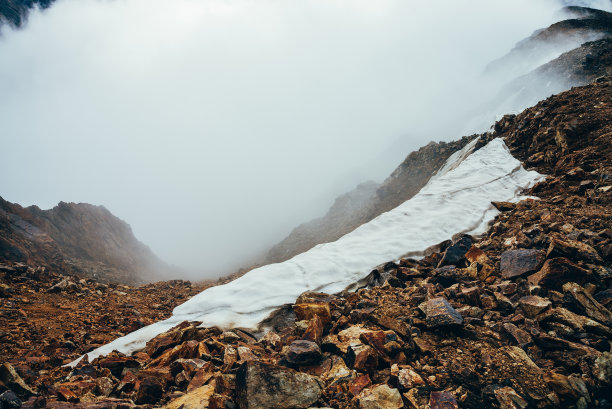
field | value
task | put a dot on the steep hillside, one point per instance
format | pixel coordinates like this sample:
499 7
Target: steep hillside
367 201
79 239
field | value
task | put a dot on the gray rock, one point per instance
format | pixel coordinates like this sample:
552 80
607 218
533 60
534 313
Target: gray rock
515 263
266 386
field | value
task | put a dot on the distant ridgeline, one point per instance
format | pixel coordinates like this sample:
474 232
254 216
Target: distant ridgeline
15 12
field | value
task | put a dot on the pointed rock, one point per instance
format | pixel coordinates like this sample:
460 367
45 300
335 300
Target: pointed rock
585 302
439 313
556 272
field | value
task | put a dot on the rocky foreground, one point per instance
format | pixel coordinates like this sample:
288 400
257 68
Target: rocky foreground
519 317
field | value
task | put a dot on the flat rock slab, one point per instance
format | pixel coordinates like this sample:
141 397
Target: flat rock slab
440 313
515 263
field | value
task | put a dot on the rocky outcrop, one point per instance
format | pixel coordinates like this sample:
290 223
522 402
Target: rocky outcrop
367 201
80 239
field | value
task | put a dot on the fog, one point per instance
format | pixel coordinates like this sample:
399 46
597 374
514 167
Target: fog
213 127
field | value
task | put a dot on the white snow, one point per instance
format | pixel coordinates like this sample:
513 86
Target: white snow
457 199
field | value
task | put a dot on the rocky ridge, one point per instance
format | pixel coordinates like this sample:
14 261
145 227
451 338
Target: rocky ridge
519 317
81 239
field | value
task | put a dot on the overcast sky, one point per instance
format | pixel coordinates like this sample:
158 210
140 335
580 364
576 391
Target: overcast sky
214 127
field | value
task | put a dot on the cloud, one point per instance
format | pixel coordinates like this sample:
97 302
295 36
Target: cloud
215 126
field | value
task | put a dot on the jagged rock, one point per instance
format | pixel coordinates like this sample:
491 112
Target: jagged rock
358 384
307 311
504 206
8 400
515 263
271 339
260 386
64 285
509 399
456 251
339 372
471 295
587 304
572 249
532 305
380 397
440 313
408 379
521 337
314 331
513 363
195 399
12 380
556 272
150 391
303 352
362 358
442 400
603 367
577 323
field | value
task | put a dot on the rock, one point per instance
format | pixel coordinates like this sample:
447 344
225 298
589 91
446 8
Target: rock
514 364
408 379
362 358
603 368
440 313
456 251
8 400
13 381
150 391
504 206
195 399
578 323
509 399
521 337
556 272
271 339
442 400
338 372
471 295
260 385
532 305
303 352
572 249
307 311
380 397
66 394
5 291
314 331
587 304
358 384
515 263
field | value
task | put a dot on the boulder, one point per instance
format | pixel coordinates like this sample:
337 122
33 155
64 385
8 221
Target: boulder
456 251
532 305
302 352
266 386
8 400
442 400
380 397
195 399
509 399
306 311
10 378
556 272
585 302
572 249
439 312
515 263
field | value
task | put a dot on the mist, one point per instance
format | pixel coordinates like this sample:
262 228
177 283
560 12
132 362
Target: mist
213 127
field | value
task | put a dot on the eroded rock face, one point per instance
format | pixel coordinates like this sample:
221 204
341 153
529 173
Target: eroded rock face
260 386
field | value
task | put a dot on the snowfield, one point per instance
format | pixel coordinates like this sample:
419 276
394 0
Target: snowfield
457 199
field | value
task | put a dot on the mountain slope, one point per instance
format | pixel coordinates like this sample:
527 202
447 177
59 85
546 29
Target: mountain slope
80 239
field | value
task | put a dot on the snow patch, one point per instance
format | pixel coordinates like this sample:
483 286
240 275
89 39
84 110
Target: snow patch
457 199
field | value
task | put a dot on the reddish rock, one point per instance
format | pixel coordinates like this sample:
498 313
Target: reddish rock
556 272
307 311
532 305
442 400
572 249
150 391
314 332
358 384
